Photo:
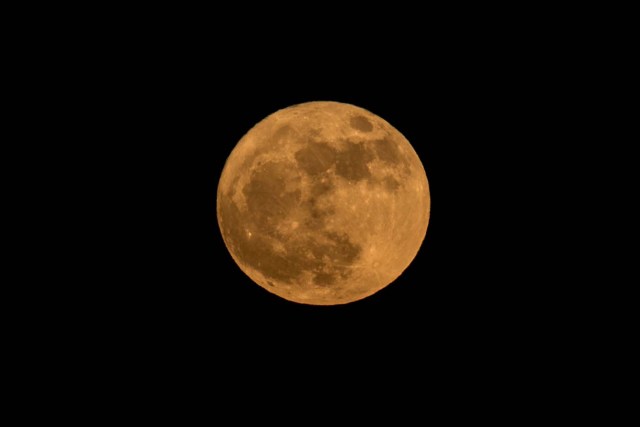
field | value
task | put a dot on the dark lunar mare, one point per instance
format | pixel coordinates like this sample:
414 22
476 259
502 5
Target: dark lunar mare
326 255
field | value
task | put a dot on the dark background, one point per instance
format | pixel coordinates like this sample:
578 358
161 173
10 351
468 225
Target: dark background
157 108
135 113
141 299
464 119
172 115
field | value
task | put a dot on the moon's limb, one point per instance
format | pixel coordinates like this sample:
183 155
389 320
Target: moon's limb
323 203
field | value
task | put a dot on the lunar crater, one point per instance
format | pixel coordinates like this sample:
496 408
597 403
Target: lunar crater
361 123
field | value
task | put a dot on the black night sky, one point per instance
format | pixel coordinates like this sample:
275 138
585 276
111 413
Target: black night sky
172 110
141 307
192 118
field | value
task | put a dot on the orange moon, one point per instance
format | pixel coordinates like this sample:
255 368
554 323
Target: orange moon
323 203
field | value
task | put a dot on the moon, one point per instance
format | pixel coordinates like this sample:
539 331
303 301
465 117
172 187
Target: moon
323 203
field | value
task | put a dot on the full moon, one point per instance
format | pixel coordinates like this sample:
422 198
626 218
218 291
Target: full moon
323 203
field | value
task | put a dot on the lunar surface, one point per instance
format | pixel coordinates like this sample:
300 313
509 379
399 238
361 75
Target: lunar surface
323 203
